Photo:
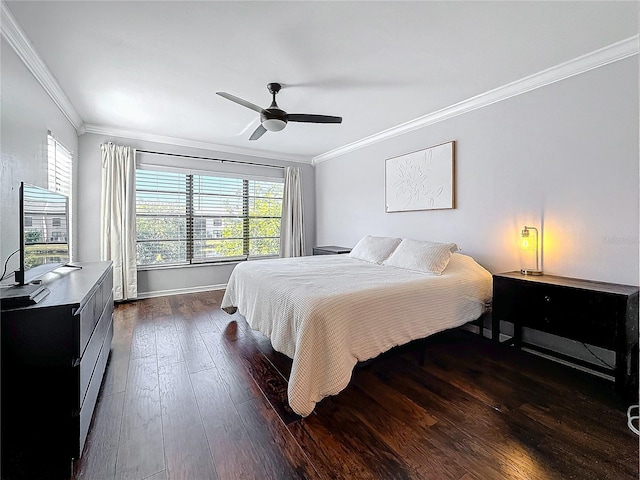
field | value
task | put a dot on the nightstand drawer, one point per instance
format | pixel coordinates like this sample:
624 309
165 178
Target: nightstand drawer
582 315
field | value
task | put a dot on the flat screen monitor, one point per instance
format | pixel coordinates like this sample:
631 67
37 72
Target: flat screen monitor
44 227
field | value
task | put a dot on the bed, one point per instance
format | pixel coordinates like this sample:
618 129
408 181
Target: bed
329 312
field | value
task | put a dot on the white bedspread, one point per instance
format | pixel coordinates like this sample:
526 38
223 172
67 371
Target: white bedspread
329 312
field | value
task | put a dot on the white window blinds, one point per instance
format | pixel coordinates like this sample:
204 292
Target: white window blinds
60 178
59 166
194 218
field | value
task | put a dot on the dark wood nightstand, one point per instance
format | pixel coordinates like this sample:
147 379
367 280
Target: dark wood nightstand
595 313
330 250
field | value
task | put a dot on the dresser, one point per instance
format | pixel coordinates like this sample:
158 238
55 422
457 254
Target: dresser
54 355
594 313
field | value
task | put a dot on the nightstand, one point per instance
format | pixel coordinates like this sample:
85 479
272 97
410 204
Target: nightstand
595 313
330 250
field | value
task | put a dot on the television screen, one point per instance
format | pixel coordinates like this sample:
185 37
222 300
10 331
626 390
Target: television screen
45 220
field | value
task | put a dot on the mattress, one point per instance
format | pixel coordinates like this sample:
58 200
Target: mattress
329 312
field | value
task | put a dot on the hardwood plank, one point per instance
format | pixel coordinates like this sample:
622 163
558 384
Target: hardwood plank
193 348
98 461
143 340
415 414
280 455
327 450
162 306
419 457
220 319
470 476
158 476
555 414
185 444
270 381
280 361
458 427
569 450
411 424
168 348
343 421
238 381
141 449
229 441
115 377
177 304
202 314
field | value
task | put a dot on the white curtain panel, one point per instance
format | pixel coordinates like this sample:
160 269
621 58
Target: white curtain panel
118 218
292 226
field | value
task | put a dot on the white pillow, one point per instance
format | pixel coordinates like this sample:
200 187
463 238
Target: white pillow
374 249
422 256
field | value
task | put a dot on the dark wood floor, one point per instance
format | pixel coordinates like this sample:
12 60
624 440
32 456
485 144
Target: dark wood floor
192 393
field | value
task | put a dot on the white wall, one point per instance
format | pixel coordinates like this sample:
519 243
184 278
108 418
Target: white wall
165 280
563 157
27 113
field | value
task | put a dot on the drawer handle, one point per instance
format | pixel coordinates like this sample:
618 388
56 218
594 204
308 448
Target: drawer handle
547 298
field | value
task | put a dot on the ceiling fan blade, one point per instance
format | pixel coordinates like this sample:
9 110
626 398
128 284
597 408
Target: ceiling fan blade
258 132
308 118
240 101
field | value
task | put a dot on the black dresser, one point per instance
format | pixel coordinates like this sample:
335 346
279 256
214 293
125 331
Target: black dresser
54 355
594 313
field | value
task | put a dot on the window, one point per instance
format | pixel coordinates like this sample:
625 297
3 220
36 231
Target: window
59 170
183 218
59 167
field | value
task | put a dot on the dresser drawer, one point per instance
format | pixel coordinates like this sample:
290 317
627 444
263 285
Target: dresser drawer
82 419
89 314
91 353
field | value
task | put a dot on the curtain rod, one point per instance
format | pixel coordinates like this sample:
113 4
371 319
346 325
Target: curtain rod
209 158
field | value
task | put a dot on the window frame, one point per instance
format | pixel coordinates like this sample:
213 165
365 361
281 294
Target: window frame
60 179
191 217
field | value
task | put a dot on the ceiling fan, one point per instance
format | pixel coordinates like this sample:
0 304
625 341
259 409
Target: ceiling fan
273 118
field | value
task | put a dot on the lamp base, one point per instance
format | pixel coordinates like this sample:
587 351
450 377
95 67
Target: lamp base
529 271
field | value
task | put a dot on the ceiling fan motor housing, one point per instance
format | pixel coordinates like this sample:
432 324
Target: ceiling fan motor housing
273 119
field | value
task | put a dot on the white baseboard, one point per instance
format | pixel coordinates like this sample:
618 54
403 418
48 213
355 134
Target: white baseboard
179 291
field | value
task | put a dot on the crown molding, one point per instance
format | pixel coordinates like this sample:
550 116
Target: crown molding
598 58
17 38
150 137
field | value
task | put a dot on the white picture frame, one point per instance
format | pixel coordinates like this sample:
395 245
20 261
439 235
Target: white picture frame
422 180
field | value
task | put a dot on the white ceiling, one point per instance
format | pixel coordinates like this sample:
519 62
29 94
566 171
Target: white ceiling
154 67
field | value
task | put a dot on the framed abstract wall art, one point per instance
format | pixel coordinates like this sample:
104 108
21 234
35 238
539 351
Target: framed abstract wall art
422 180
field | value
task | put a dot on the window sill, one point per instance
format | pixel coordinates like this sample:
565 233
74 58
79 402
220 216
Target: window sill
144 268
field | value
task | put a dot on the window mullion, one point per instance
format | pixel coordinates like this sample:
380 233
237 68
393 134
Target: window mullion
245 217
189 180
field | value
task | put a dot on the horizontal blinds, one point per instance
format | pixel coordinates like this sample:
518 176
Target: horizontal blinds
59 167
60 179
161 217
265 213
218 218
204 218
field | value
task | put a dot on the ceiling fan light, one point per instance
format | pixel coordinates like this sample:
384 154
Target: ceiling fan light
274 124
